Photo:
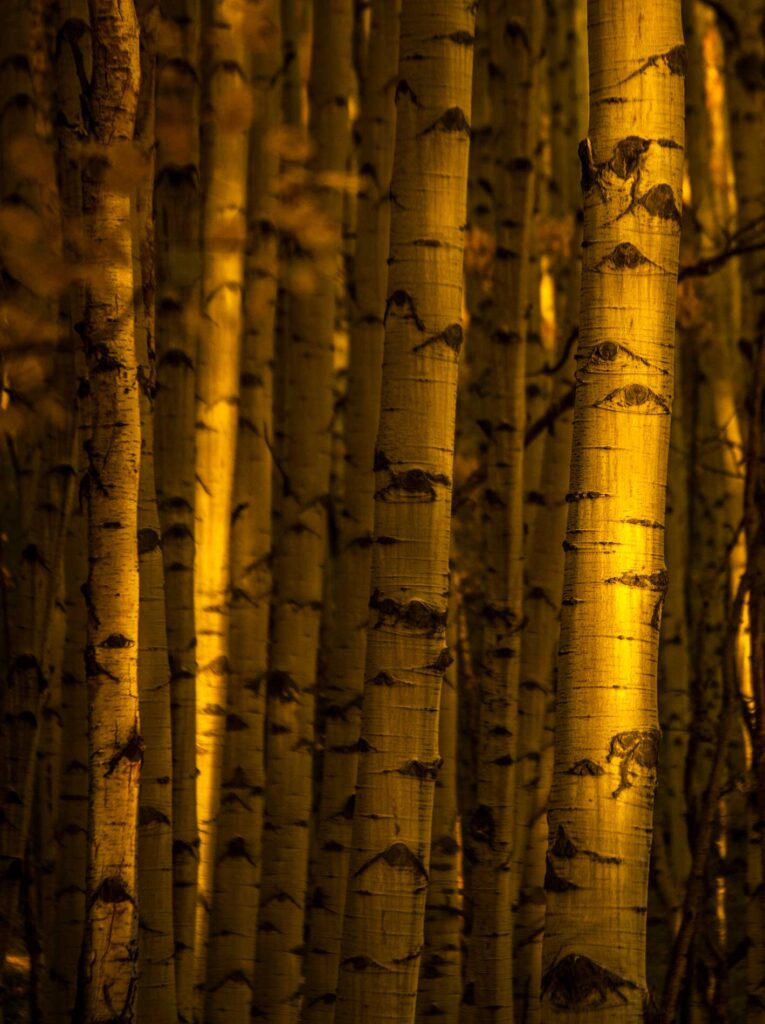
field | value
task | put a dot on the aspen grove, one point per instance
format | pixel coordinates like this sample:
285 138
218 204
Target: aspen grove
382 512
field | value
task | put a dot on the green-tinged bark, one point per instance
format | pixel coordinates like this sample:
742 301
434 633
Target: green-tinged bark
230 972
607 734
178 269
108 965
226 120
300 553
406 659
345 663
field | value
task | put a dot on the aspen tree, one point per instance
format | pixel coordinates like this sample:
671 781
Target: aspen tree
156 943
747 125
515 41
606 728
345 669
300 553
225 132
406 657
29 214
230 975
178 270
74 50
106 986
440 985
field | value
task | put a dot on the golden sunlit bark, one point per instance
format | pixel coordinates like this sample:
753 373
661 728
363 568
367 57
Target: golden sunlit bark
515 45
345 668
301 550
230 974
107 979
607 732
178 270
406 657
225 132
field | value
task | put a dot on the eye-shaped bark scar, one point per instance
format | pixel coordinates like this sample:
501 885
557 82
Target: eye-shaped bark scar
398 855
638 747
626 257
414 485
612 357
636 398
576 982
452 120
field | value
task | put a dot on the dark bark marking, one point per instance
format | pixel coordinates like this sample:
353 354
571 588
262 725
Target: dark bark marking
150 816
398 855
452 120
412 485
585 496
585 767
675 60
132 752
563 845
117 641
634 397
443 661
113 889
415 614
421 769
280 685
624 256
655 581
660 202
638 746
577 983
553 881
148 541
400 299
482 827
626 158
451 336
404 89
236 849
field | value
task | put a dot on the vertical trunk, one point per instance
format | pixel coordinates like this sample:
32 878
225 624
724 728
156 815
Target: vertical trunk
607 726
406 658
178 269
225 132
440 984
300 553
156 942
345 669
230 974
516 39
107 980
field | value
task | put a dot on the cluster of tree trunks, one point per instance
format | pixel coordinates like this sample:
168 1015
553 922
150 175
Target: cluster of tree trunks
382 515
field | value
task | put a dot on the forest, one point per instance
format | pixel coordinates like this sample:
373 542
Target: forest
382 511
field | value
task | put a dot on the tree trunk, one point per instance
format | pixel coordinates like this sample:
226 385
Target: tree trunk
607 733
406 658
300 554
108 965
230 974
178 269
225 131
345 669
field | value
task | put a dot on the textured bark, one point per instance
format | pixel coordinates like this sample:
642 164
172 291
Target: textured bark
398 747
107 981
345 660
230 975
178 269
607 732
156 942
300 553
439 991
490 837
225 133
